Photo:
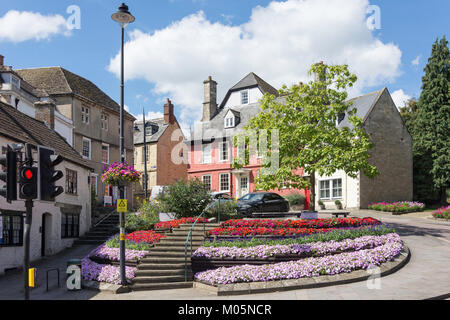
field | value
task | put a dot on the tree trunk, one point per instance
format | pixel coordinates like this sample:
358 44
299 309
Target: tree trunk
443 196
312 194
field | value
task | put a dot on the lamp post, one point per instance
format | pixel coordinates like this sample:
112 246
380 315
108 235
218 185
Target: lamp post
145 157
123 17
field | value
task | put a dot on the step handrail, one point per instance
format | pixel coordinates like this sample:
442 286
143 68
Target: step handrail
105 217
189 236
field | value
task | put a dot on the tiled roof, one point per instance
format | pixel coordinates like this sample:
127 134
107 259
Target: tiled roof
57 80
249 81
19 126
139 135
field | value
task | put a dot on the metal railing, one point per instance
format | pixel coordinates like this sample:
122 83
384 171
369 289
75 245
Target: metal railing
104 217
189 237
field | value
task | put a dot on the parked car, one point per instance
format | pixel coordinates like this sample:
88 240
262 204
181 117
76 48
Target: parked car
217 197
259 202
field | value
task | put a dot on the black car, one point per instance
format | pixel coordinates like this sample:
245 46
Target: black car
260 202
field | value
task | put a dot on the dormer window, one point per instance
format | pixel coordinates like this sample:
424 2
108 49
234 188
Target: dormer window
15 81
229 122
244 97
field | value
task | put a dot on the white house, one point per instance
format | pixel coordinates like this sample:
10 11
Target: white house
55 225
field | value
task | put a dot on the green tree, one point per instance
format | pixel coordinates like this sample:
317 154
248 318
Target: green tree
304 120
186 198
409 114
431 129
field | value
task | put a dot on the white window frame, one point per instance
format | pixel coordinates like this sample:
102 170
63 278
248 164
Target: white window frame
90 148
210 181
220 182
221 153
245 92
229 121
330 183
105 145
206 160
15 81
94 176
104 121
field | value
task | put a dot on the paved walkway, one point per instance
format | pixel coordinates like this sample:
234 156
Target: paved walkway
425 276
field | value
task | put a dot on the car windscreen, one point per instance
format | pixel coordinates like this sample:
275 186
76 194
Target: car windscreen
252 197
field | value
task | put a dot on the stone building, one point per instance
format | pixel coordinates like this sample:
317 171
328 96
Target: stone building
95 117
391 154
55 225
165 150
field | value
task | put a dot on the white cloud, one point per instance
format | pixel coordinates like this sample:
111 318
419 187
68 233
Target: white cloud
279 43
416 61
18 26
400 98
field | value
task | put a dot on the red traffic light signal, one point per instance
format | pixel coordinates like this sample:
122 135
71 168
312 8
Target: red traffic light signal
28 174
28 183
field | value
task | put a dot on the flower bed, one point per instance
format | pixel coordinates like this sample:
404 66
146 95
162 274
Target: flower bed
146 236
315 223
176 223
315 249
263 231
397 207
309 267
442 213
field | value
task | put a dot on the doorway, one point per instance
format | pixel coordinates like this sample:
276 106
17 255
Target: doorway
45 233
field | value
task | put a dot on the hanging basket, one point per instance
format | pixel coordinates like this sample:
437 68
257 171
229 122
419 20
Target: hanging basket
120 175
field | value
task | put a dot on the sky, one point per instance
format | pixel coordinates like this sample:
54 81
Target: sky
174 45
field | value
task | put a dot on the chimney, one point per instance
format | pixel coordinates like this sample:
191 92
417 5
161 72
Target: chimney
2 60
210 99
168 112
45 111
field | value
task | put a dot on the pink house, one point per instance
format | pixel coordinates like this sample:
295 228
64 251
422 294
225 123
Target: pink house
211 150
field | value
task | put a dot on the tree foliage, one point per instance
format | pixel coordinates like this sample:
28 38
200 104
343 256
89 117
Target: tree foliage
305 120
431 126
186 198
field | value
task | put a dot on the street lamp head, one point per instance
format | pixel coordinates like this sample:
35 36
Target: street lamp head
123 16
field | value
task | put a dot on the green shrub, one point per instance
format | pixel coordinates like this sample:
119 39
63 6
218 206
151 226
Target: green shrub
147 216
227 210
295 199
320 202
186 198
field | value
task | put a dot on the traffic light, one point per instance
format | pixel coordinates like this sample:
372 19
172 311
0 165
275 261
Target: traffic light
48 175
28 182
9 175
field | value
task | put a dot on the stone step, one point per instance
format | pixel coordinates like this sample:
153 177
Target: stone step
161 286
175 236
162 272
173 248
81 242
163 266
160 279
166 254
165 260
180 243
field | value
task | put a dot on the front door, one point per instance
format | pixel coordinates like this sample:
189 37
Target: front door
244 185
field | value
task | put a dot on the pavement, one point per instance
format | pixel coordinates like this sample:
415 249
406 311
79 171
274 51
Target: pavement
424 277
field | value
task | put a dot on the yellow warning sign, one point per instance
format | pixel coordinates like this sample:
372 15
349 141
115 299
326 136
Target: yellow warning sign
122 205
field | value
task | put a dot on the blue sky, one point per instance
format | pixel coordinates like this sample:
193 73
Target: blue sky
176 44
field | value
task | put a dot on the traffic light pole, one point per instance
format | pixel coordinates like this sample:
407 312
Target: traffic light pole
26 259
28 220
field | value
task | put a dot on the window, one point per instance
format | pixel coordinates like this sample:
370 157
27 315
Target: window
224 182
206 153
244 97
105 153
223 151
148 130
15 81
229 122
207 182
70 225
104 121
71 181
143 154
329 189
94 183
85 115
11 228
86 148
